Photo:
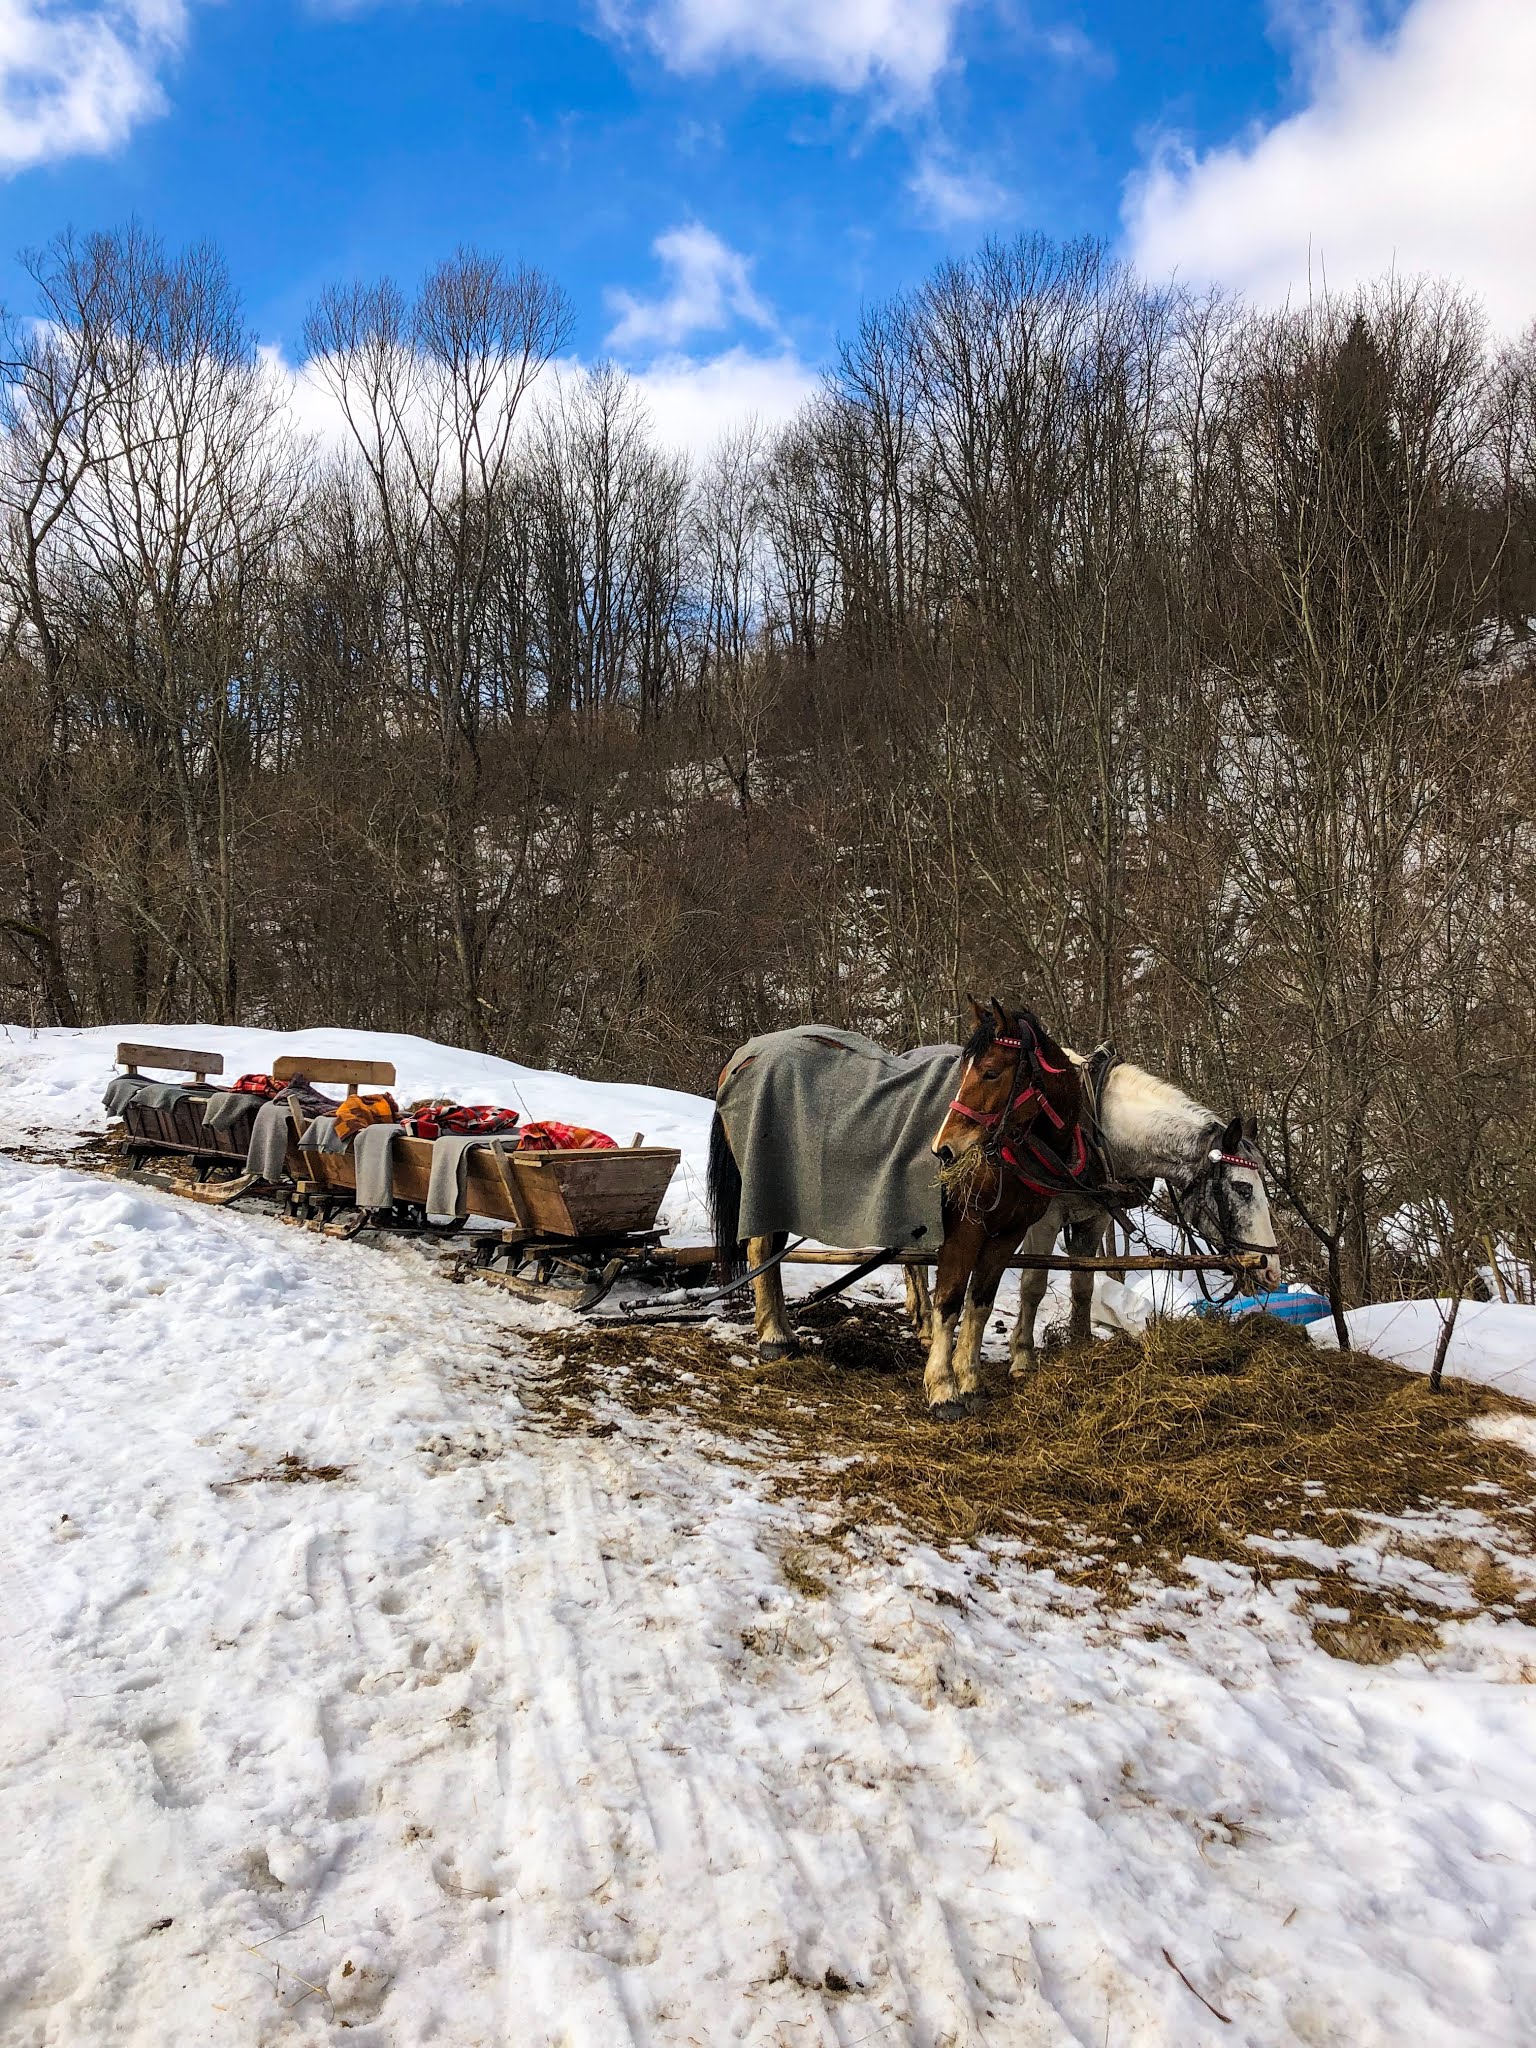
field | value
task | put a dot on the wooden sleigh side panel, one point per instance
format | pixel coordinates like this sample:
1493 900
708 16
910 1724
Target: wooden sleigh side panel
593 1194
181 1129
540 1194
550 1194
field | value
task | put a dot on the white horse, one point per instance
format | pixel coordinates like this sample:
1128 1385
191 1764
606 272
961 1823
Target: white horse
1147 1129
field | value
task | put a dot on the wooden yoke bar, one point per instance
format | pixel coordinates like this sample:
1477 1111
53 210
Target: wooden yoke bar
177 1059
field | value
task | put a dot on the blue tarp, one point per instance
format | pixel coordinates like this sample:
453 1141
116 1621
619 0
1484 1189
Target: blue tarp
1290 1304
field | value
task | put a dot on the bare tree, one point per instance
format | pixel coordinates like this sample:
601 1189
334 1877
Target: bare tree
431 390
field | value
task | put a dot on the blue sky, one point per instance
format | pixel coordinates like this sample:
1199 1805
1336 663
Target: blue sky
718 181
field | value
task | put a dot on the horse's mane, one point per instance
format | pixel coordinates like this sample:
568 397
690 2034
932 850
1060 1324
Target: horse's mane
1168 1120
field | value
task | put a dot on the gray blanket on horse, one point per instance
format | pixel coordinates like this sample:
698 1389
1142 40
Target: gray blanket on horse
833 1134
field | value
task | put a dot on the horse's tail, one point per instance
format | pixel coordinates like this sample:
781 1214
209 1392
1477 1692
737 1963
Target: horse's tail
725 1203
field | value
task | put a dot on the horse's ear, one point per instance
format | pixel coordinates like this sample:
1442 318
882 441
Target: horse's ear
1004 1021
980 1013
1232 1136
1251 1129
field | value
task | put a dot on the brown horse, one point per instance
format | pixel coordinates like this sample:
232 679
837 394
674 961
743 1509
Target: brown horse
1009 1147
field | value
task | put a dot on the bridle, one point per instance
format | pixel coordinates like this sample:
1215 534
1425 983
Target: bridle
1231 1241
1047 1172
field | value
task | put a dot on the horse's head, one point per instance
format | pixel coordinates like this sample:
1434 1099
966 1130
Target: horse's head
1011 1064
1226 1202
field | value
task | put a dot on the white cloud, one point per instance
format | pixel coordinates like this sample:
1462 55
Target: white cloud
313 408
76 80
949 194
901 45
693 402
710 288
1414 153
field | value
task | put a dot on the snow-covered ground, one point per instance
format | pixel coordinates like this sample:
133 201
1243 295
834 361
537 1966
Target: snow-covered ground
501 1735
1494 1342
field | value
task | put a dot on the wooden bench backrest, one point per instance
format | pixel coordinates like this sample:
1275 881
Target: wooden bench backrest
353 1073
177 1059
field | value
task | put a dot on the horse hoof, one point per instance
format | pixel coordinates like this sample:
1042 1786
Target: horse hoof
1020 1368
946 1411
770 1354
973 1401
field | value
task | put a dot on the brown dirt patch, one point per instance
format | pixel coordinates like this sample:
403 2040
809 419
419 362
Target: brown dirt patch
1113 1462
92 1152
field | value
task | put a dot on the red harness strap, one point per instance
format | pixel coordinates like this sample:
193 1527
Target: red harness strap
988 1117
1073 1169
1017 1045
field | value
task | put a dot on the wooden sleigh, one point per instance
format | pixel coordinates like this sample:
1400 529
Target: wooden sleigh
549 1225
176 1130
559 1227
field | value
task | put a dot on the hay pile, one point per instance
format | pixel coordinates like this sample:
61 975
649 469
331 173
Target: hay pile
1114 1461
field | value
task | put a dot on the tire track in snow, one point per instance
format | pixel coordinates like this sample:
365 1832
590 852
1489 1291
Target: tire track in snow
683 1750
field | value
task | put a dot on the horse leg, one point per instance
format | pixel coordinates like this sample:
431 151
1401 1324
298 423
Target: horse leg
1084 1240
956 1259
919 1300
985 1281
1032 1285
775 1339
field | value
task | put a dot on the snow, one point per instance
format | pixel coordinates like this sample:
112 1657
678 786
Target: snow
504 1735
1493 1343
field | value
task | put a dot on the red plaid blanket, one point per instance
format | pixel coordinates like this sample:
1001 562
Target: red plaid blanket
551 1137
460 1120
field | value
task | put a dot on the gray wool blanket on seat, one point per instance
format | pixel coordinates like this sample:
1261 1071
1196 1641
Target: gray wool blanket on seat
125 1088
319 1135
446 1194
223 1111
833 1136
121 1090
373 1164
268 1149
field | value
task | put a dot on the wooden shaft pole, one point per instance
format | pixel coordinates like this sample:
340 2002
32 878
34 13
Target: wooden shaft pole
1033 1262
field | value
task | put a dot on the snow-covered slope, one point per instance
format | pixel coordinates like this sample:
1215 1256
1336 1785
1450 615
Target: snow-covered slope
503 1736
341 1692
1494 1342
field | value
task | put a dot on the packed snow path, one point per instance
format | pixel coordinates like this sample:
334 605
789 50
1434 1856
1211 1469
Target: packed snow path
500 1735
